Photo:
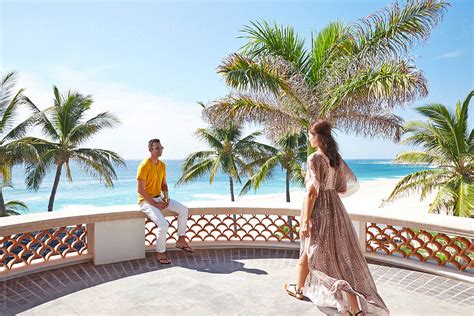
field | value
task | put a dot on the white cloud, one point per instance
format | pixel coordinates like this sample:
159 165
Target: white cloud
144 115
448 55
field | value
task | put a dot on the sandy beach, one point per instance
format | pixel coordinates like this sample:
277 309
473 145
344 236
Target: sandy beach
368 199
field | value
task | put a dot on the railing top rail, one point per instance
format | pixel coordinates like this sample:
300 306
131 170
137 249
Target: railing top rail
38 221
433 222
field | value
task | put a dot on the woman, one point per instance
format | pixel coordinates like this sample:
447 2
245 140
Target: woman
331 268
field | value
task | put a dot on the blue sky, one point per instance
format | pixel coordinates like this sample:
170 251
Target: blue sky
149 62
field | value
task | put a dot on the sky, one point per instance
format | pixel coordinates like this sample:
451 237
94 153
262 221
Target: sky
149 62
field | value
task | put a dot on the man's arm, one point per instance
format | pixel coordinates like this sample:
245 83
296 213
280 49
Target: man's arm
147 197
164 188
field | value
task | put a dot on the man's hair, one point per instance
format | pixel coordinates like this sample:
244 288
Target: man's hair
152 141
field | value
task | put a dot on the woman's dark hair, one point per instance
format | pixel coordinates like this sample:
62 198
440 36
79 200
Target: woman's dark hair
322 130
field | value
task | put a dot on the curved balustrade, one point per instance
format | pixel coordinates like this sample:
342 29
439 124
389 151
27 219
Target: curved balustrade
221 226
422 245
435 243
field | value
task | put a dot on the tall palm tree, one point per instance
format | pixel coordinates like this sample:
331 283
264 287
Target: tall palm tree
353 75
449 145
230 153
12 150
289 154
65 125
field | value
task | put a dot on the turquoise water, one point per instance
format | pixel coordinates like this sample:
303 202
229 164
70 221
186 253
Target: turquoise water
84 190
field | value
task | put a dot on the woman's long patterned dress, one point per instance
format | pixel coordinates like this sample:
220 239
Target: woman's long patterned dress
336 263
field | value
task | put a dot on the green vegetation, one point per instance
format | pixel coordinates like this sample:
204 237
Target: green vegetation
12 150
229 152
353 75
449 145
289 154
65 125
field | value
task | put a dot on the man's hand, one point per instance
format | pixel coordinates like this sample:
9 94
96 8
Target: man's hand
161 205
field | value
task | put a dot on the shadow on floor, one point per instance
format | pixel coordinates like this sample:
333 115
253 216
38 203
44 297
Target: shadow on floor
22 293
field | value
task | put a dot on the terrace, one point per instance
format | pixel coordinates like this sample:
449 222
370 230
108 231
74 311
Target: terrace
102 262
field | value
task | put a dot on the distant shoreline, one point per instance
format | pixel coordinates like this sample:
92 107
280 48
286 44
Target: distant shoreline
368 198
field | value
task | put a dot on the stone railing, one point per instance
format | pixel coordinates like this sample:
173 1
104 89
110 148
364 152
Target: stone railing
35 242
224 226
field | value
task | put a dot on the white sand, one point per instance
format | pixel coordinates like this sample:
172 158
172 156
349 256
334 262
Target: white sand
368 198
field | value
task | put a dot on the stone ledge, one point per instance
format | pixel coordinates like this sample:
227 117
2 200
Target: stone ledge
38 221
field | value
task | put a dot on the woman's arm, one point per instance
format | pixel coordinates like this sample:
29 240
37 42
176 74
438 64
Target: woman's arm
308 205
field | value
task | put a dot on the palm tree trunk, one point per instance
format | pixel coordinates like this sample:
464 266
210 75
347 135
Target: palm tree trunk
290 221
3 210
232 198
55 187
231 184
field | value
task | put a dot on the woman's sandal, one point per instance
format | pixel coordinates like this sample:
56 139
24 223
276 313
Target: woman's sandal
292 291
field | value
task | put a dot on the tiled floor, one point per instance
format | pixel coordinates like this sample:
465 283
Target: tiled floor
213 282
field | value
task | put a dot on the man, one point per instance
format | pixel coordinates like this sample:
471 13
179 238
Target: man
153 199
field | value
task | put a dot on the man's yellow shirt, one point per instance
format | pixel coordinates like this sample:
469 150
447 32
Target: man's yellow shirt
153 176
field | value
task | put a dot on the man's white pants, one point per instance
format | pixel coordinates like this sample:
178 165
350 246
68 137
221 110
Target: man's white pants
155 215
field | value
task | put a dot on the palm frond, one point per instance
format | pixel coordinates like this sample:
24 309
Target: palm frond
7 84
15 206
242 73
276 40
444 122
242 109
191 159
196 171
98 164
265 172
36 171
464 206
8 114
41 118
444 198
462 115
327 47
394 30
416 158
377 88
368 124
83 132
209 137
297 175
106 159
416 181
19 151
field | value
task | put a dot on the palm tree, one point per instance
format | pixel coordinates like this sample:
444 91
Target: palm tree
12 207
449 145
65 125
353 75
12 150
289 154
229 152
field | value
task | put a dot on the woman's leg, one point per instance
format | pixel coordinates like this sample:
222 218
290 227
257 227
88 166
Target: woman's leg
302 272
353 303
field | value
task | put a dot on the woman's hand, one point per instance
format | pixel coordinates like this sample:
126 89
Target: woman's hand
305 229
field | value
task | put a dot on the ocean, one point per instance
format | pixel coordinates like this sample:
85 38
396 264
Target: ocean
85 191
